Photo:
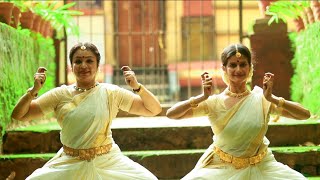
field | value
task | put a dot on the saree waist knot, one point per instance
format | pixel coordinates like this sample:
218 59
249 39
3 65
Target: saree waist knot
237 162
87 154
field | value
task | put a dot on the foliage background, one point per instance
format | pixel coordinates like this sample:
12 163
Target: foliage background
305 87
305 83
21 53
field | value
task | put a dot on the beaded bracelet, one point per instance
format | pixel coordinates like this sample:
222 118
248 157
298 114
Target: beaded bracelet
192 103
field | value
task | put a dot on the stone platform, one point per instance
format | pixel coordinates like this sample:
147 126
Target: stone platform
175 145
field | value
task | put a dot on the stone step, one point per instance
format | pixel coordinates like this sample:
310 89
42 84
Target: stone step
157 133
170 164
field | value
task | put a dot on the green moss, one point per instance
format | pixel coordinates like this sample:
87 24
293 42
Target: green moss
144 154
43 128
292 122
296 149
21 54
305 86
23 156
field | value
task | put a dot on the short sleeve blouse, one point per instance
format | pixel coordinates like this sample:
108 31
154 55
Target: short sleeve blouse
55 99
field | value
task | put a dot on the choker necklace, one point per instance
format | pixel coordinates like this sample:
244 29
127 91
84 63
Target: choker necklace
237 95
84 90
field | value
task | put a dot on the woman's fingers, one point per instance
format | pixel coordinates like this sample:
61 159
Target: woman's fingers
268 84
268 78
130 76
125 68
206 80
41 70
40 75
204 75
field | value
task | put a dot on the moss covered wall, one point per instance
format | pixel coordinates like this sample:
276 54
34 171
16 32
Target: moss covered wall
305 86
21 53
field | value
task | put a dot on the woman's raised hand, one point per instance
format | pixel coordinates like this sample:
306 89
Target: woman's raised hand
206 84
268 85
130 77
39 78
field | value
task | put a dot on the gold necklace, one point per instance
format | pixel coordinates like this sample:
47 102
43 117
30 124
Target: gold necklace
84 90
237 95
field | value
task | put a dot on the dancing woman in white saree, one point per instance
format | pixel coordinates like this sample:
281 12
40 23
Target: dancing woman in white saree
239 120
85 111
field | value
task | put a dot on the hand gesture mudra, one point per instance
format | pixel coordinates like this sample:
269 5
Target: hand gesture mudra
130 77
206 84
39 78
268 85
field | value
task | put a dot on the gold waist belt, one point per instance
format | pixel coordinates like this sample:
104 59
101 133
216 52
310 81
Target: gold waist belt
87 154
237 162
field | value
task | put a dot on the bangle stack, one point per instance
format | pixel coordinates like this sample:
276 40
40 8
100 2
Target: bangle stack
192 103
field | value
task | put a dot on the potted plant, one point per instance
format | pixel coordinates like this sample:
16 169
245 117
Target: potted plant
300 11
60 17
9 13
6 12
263 4
26 18
315 6
15 18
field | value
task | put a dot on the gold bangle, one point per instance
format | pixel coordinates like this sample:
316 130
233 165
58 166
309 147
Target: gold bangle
281 102
192 103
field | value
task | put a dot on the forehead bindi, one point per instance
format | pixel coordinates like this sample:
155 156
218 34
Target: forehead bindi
83 54
234 59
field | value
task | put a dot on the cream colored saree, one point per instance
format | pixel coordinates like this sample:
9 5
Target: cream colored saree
85 121
240 148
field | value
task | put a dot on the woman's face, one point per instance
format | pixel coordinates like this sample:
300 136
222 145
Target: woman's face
237 69
84 66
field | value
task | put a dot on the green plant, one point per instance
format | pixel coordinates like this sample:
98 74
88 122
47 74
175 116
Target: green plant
305 83
21 53
60 17
21 5
286 9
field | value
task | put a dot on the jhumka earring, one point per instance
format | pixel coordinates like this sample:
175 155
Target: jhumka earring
238 54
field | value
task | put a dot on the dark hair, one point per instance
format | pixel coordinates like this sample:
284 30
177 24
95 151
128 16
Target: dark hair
89 46
232 49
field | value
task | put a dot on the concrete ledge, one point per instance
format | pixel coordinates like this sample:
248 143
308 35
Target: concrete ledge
159 138
173 164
